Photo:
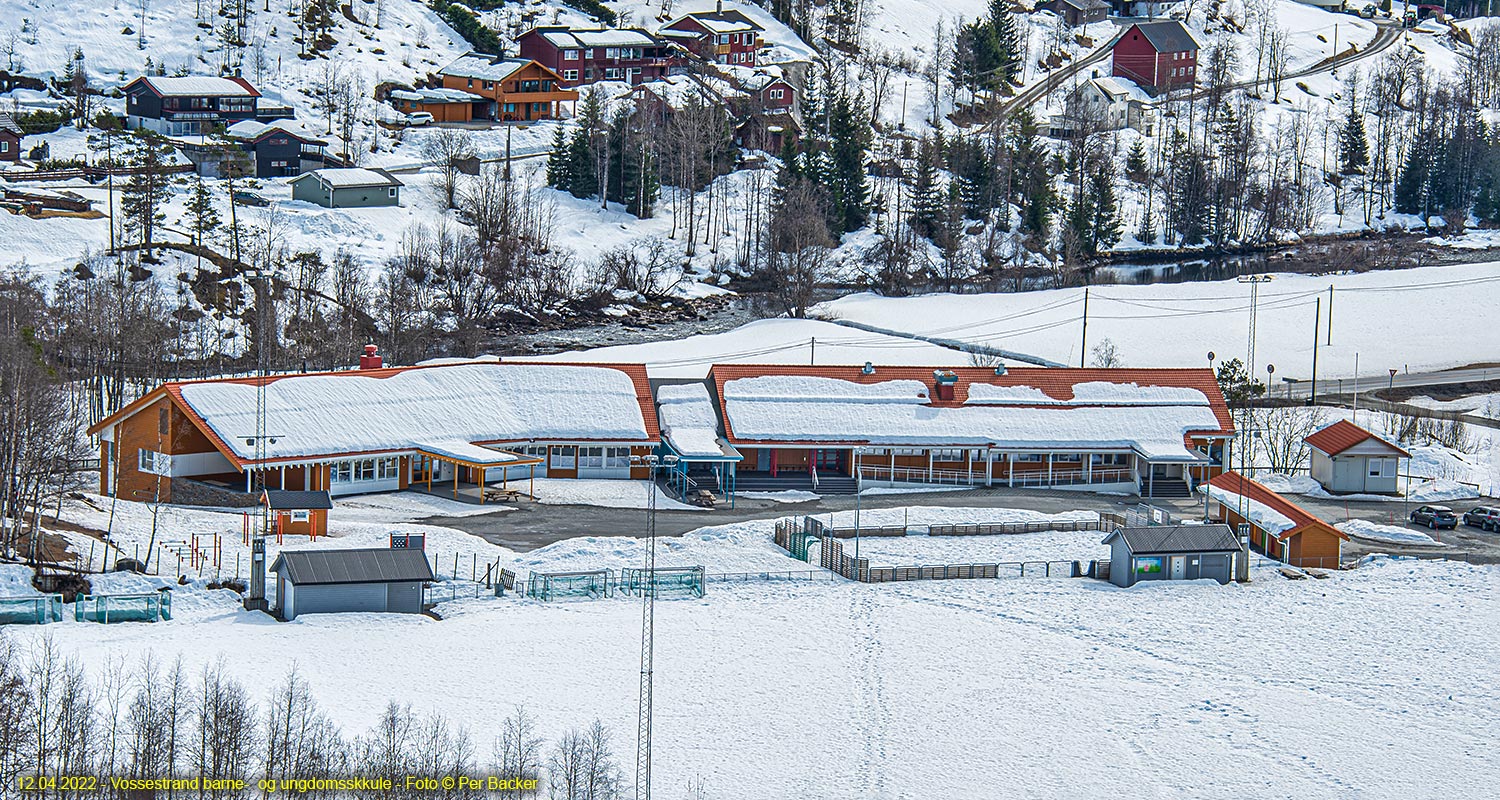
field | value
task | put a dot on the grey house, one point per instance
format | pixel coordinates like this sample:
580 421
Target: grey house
330 581
347 188
1171 553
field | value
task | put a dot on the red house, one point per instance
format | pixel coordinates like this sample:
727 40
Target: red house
1158 56
602 54
725 37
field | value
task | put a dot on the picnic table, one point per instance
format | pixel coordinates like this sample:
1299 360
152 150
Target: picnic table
504 495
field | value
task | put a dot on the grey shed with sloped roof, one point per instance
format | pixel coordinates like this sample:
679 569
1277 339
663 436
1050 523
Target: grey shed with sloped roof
330 581
1171 553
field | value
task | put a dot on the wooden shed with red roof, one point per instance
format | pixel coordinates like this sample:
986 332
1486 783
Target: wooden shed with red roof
1157 432
1278 527
378 429
1347 459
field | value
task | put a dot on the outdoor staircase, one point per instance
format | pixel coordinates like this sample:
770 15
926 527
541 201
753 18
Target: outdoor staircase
793 482
1167 487
840 484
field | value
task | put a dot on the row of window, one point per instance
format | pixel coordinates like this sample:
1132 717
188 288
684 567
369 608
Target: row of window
627 53
737 38
1182 72
610 73
958 454
368 469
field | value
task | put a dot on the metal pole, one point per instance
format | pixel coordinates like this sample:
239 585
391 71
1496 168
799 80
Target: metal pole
1329 342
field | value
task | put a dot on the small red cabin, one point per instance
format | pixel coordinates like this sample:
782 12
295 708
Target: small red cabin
1158 56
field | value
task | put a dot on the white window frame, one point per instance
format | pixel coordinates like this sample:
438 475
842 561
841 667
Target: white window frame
556 459
723 38
570 74
299 515
570 55
612 73
391 191
777 94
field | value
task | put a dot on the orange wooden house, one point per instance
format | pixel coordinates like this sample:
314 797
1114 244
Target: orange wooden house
1278 527
378 429
510 89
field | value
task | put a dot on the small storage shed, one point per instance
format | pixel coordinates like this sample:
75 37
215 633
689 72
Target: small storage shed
351 187
1347 459
298 513
331 581
1171 553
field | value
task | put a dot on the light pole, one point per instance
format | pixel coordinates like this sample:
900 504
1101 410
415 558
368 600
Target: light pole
858 490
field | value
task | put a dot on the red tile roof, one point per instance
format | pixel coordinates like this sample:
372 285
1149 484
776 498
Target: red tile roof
1056 383
1245 487
1342 435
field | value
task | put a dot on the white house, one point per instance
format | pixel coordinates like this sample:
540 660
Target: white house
1348 459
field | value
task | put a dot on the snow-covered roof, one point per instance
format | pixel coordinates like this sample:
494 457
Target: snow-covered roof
250 129
1033 409
1121 89
718 21
471 454
350 177
689 422
598 37
199 86
435 95
1265 509
479 65
442 410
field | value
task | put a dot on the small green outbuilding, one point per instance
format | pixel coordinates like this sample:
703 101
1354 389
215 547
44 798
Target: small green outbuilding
352 187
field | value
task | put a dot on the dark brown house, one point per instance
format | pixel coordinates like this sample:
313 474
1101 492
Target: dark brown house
188 106
1078 12
10 138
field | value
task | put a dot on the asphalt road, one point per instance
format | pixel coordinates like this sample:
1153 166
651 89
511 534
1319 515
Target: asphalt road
534 525
1401 379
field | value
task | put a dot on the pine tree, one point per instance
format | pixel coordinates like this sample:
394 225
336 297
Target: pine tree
1354 149
144 192
1078 222
201 212
1145 233
1412 190
1031 176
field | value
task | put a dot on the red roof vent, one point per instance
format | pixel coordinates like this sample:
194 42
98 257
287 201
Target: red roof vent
943 383
371 360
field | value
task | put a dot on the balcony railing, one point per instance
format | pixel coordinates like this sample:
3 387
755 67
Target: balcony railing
951 477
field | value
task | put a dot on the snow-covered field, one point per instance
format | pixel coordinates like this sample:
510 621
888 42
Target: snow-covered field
1375 683
1177 325
1483 405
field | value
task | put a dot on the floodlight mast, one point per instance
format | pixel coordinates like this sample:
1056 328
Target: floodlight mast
648 629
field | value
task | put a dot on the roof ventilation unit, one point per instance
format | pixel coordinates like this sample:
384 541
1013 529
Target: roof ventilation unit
867 369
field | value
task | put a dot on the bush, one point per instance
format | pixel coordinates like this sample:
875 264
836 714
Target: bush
468 26
41 121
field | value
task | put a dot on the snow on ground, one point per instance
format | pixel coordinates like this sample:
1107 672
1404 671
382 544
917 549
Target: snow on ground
921 516
874 490
15 581
905 551
788 496
1483 405
769 341
1176 325
1389 534
607 493
1380 685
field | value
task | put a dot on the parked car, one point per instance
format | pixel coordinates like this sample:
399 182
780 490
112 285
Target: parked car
245 198
1369 10
419 118
1484 518
1435 517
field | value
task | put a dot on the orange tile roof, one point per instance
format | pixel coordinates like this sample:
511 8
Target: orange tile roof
1342 435
1056 383
1246 487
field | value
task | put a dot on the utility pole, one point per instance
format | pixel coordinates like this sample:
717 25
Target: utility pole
648 631
1330 316
1312 393
812 355
1083 344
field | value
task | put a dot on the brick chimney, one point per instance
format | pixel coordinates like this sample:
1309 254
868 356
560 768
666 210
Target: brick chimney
943 383
371 359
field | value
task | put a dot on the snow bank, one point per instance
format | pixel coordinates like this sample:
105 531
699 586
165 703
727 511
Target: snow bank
787 496
1390 534
606 493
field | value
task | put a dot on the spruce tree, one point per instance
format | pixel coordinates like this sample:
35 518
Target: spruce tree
1412 180
1135 162
560 162
1354 149
1005 36
144 192
927 197
1031 176
849 141
1104 228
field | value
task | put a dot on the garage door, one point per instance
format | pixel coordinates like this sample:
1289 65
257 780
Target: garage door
341 597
